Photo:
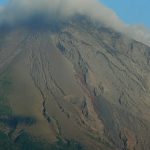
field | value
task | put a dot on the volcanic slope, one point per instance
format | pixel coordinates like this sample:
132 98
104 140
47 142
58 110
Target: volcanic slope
75 80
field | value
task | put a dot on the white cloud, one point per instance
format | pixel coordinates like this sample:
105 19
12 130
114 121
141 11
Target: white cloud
139 33
20 10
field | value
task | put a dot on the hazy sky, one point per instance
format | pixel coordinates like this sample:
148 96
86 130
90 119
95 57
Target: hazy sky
131 11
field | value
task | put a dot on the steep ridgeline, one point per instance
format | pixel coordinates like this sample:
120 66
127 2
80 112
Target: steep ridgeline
75 81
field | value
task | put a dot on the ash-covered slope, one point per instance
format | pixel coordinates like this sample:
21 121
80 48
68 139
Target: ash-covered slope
75 80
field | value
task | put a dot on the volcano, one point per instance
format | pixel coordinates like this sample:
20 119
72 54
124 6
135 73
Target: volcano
73 85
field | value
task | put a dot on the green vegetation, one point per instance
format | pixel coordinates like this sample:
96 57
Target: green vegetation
67 145
23 141
5 85
6 143
101 140
26 142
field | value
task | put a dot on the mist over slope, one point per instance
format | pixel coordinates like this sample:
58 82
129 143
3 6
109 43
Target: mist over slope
18 11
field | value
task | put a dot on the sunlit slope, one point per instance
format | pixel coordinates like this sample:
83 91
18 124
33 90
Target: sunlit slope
76 80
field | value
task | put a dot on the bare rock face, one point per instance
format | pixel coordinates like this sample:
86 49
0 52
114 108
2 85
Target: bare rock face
79 81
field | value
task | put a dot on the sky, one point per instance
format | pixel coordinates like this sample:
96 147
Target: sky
2 2
131 11
129 17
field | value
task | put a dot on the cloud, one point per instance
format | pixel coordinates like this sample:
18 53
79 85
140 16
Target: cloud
20 10
17 10
139 33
